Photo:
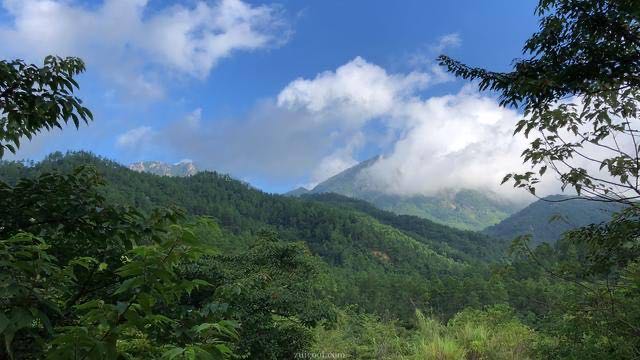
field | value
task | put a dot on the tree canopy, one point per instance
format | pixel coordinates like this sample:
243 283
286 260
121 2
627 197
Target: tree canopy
33 98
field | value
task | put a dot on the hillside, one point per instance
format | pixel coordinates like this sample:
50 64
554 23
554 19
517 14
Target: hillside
458 244
384 263
465 209
546 220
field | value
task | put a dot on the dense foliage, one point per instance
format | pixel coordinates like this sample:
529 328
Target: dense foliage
580 92
33 98
388 264
101 262
83 279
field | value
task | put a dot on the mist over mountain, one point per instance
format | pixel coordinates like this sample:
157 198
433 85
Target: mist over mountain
468 209
182 168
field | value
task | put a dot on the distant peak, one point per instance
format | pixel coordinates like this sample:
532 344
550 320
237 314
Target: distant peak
182 168
301 190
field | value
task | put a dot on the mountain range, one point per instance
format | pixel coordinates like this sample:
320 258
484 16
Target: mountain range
385 263
545 220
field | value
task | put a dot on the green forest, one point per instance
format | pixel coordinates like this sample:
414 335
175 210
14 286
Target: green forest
98 261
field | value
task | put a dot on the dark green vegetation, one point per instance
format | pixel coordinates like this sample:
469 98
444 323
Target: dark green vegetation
547 219
82 278
387 264
342 252
464 209
579 85
458 244
34 98
100 262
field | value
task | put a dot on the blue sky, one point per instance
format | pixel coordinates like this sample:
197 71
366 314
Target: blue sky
285 93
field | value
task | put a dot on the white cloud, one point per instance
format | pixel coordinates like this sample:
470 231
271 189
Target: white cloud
127 39
446 41
451 142
356 92
318 127
456 141
135 137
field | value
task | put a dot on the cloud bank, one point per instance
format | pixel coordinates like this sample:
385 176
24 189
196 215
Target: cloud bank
454 141
317 127
134 45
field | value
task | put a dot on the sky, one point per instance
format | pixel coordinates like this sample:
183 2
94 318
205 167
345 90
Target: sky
284 94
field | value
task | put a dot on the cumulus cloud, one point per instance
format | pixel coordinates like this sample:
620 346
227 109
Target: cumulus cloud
312 128
133 43
355 92
460 141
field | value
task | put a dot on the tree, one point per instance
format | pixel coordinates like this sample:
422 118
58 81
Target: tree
273 289
579 87
33 98
84 279
79 277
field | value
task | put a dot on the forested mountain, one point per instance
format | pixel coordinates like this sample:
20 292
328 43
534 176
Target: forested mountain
101 262
182 168
387 264
465 209
547 219
460 244
376 267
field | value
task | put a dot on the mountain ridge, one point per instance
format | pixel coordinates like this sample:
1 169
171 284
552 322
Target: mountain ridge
407 258
548 218
465 209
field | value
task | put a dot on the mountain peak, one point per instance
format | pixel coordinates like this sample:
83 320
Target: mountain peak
467 209
297 191
182 168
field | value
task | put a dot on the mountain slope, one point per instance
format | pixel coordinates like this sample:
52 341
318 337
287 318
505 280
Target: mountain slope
461 244
182 168
465 209
372 263
535 218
